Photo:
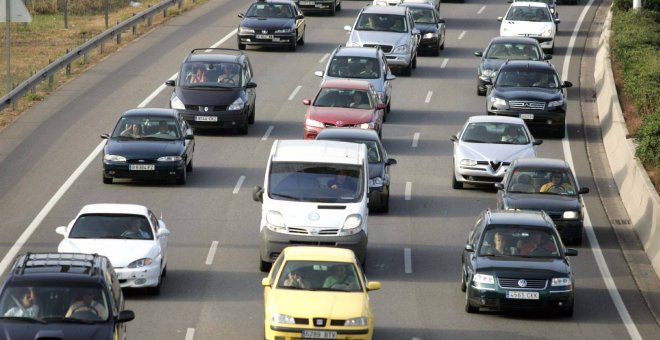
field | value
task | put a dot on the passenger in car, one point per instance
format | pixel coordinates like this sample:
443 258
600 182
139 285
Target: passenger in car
26 304
132 130
296 280
199 75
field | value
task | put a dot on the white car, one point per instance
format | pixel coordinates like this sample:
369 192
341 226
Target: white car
486 146
530 19
130 235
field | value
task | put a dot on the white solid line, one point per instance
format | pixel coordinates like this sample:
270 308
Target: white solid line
428 97
462 35
211 254
444 63
481 10
225 38
407 260
190 334
408 190
270 129
325 56
295 91
415 141
591 235
238 185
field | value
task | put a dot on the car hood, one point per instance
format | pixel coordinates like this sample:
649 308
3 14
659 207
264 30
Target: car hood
331 305
19 330
378 83
120 252
375 170
494 152
514 28
539 201
526 93
207 96
523 266
379 38
267 23
426 28
492 64
346 115
143 148
317 215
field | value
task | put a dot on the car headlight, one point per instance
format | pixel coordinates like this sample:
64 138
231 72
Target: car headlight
176 103
237 104
401 49
547 33
570 215
560 281
169 159
370 125
363 321
314 123
352 225
245 30
556 103
484 279
382 98
498 103
430 36
282 318
114 158
275 221
468 162
375 182
488 72
552 10
353 44
285 30
140 263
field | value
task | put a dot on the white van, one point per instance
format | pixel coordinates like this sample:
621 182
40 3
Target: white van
315 193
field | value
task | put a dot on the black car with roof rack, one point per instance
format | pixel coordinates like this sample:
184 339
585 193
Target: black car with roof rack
215 89
62 296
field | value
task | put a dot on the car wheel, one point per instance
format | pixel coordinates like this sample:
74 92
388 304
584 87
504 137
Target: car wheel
442 47
454 183
156 289
567 311
339 7
468 306
388 108
408 70
414 62
106 179
241 46
463 287
183 177
436 51
189 166
333 9
552 49
385 202
164 272
302 39
480 91
242 130
264 266
252 114
560 130
294 45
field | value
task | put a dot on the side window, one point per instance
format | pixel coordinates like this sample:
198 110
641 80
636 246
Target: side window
476 230
154 221
113 281
276 267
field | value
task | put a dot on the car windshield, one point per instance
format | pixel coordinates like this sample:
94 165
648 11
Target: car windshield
213 75
527 78
547 2
381 22
541 182
347 98
495 133
146 128
319 275
109 226
422 15
519 241
316 182
269 10
528 13
513 51
354 67
68 303
373 151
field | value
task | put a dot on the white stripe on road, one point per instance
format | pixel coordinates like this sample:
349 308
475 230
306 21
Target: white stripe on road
238 185
211 254
462 35
325 56
295 91
190 334
444 63
428 97
481 10
225 38
415 140
408 190
270 129
407 260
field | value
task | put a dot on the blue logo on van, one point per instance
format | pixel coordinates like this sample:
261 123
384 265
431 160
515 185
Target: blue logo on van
314 216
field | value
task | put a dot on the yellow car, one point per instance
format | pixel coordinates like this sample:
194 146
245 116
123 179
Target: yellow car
317 293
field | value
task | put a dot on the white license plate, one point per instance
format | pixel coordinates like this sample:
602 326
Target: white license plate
522 295
264 36
206 118
141 167
310 334
527 116
306 3
318 5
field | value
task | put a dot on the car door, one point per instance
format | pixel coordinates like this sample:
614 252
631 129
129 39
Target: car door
162 240
387 75
189 144
415 35
251 92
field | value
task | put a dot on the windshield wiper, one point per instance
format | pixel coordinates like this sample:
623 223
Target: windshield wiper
23 318
294 198
473 141
69 320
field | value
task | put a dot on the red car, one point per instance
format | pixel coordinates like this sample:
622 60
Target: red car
344 103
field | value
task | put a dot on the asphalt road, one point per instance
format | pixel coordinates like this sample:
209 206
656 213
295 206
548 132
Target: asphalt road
414 250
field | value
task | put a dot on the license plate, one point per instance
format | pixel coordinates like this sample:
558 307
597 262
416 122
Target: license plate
206 118
527 116
522 295
141 167
264 36
310 334
318 5
306 3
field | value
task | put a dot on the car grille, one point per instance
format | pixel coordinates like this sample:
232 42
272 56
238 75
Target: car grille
334 125
513 283
141 161
493 165
385 48
312 231
201 108
526 105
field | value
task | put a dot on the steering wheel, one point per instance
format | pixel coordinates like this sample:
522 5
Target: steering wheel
557 189
85 312
227 81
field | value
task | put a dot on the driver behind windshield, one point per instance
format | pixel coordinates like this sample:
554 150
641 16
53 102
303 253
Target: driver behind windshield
557 184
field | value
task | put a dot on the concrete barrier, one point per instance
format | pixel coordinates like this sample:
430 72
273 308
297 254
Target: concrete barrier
638 194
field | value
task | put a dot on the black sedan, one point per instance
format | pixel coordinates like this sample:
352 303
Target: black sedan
515 260
149 143
431 27
379 162
272 23
548 185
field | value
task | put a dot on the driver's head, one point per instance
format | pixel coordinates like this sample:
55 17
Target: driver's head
556 177
339 271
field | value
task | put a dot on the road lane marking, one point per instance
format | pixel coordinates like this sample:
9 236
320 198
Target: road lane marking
462 35
444 63
325 56
225 38
211 254
190 334
415 141
428 97
295 91
481 10
407 260
238 185
267 134
408 190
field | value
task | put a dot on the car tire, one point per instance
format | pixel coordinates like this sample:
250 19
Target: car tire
560 131
385 203
294 45
463 286
481 92
155 290
567 311
301 42
252 114
243 130
264 266
454 183
164 272
333 9
436 51
414 62
106 179
339 7
407 71
469 308
241 46
183 178
442 47
189 166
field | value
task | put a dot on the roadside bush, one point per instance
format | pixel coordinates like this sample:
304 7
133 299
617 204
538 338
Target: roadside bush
648 139
624 5
75 7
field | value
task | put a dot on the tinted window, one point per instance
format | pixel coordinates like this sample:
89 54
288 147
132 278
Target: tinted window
354 67
317 182
111 226
382 22
423 15
513 51
147 127
524 13
527 78
519 241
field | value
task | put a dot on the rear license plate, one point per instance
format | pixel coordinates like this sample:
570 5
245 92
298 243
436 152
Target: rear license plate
306 3
265 36
142 167
522 295
527 116
206 118
309 334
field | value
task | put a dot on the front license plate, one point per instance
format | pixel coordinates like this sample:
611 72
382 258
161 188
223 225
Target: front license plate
310 334
527 116
306 3
265 36
318 5
522 295
141 167
206 118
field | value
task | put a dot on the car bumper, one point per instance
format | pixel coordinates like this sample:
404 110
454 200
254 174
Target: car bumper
215 120
138 277
538 118
378 195
311 132
428 44
292 332
482 174
496 299
398 60
272 243
168 170
277 40
316 6
569 229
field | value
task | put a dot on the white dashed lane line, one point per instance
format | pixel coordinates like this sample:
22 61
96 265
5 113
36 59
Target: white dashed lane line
408 190
407 260
211 254
267 134
444 63
428 97
238 185
415 141
462 35
190 334
295 91
325 56
481 10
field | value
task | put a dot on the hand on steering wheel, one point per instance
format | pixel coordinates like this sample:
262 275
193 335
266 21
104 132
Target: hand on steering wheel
227 81
557 189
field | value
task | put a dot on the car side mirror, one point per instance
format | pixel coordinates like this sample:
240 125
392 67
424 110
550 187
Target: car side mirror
441 20
170 83
258 194
469 247
390 161
125 316
453 138
300 16
61 230
416 31
189 136
105 136
390 76
537 142
241 15
478 54
373 285
567 84
487 81
251 85
499 186
547 56
347 28
570 252
265 282
163 233
500 18
583 190
557 21
318 73
307 102
509 1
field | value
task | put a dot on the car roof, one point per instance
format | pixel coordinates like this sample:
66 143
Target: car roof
215 54
536 218
344 51
155 112
347 133
385 10
114 208
495 119
514 40
528 3
424 5
319 254
59 267
545 163
323 151
346 84
529 64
